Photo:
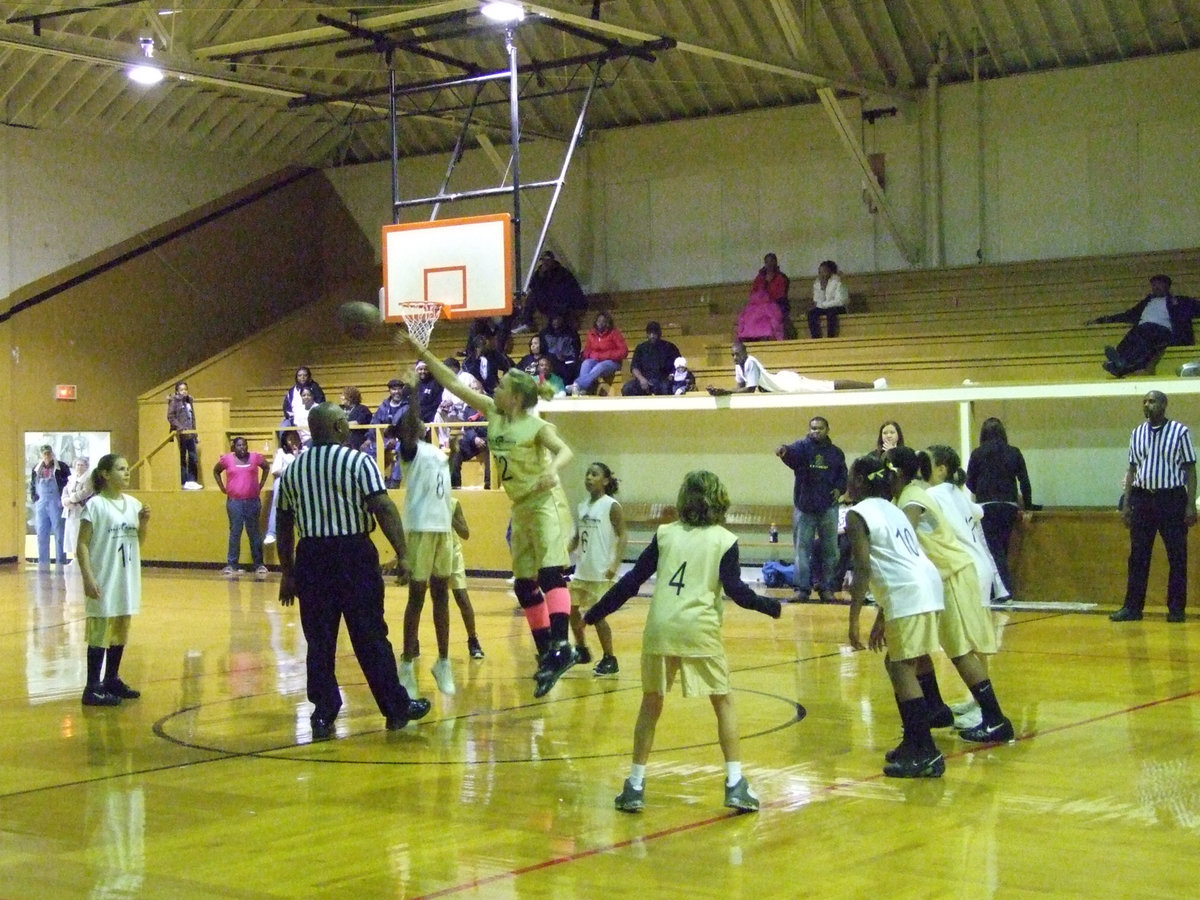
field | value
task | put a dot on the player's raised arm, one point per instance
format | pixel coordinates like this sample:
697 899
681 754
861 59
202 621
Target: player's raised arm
444 376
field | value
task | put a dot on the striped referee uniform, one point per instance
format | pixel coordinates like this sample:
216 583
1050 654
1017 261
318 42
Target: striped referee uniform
330 497
1160 500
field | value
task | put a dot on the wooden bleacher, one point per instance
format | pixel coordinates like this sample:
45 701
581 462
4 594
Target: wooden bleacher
1012 323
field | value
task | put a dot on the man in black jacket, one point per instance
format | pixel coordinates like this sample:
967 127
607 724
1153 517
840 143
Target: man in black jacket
1159 321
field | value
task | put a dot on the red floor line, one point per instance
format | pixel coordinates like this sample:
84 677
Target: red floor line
712 820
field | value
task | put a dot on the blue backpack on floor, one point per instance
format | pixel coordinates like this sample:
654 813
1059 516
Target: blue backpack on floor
776 574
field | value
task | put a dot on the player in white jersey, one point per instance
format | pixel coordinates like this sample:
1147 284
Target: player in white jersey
947 482
965 631
908 591
529 455
600 539
111 531
696 563
427 527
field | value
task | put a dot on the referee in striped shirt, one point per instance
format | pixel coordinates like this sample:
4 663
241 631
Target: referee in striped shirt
333 496
1160 498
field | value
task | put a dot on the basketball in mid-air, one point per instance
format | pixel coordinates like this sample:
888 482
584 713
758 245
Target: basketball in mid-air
358 319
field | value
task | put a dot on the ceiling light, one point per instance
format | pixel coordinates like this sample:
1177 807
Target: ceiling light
503 11
145 72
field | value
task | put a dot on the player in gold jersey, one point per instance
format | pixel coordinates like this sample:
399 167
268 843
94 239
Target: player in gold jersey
529 455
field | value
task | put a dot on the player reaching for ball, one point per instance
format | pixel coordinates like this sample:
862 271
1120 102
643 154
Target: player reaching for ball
529 455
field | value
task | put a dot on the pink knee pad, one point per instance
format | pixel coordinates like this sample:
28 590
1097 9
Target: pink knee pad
558 600
537 616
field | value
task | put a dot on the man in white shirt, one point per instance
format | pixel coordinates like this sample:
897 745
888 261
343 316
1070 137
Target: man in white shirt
1159 321
750 376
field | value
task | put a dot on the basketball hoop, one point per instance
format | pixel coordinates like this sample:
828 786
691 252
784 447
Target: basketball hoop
419 318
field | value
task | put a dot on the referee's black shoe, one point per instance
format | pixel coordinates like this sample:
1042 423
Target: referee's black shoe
1126 614
418 708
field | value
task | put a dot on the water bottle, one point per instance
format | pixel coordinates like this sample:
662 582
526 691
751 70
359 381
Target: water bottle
773 534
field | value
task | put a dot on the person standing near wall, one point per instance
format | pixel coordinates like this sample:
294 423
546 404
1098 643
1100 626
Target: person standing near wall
995 472
46 483
181 416
1160 498
244 473
74 497
820 480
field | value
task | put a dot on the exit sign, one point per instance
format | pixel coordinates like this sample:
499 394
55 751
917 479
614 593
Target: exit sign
64 392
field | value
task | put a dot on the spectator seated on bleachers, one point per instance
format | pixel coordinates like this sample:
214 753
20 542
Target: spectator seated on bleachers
761 319
651 366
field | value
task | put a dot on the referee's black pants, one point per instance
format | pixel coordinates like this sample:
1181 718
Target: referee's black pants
335 578
1151 513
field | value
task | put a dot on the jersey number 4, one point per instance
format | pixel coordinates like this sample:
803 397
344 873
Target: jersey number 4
677 580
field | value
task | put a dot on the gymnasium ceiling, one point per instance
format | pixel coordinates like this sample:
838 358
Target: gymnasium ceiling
288 81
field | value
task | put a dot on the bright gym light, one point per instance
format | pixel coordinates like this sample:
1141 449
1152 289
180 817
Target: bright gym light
503 11
146 72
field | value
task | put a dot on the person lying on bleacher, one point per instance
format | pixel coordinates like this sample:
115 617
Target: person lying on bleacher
1159 320
750 376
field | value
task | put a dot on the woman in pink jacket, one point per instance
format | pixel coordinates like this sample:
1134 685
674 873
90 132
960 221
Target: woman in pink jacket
602 355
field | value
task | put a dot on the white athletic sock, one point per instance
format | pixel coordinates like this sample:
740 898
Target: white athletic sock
733 773
637 776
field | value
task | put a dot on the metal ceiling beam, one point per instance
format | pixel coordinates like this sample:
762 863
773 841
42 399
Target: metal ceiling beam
106 53
836 31
877 54
820 79
790 27
910 71
115 56
1181 20
1051 35
1114 27
1024 41
325 32
1140 8
438 84
847 132
990 43
1080 29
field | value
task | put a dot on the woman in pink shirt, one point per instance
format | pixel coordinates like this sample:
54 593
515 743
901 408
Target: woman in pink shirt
602 355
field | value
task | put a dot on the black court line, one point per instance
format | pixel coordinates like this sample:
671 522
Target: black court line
282 752
828 790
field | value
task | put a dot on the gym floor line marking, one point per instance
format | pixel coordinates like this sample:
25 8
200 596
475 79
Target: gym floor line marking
818 794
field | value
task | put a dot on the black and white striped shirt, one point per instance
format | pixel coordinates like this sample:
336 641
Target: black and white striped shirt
326 489
1159 455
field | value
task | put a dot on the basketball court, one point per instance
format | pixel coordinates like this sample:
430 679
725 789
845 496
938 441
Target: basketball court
208 786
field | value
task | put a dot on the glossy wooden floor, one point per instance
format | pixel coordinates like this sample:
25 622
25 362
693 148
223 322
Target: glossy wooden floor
208 786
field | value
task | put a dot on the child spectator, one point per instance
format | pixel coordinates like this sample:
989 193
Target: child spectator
682 379
289 448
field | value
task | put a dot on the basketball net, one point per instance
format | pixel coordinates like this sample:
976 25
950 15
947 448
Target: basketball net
419 318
